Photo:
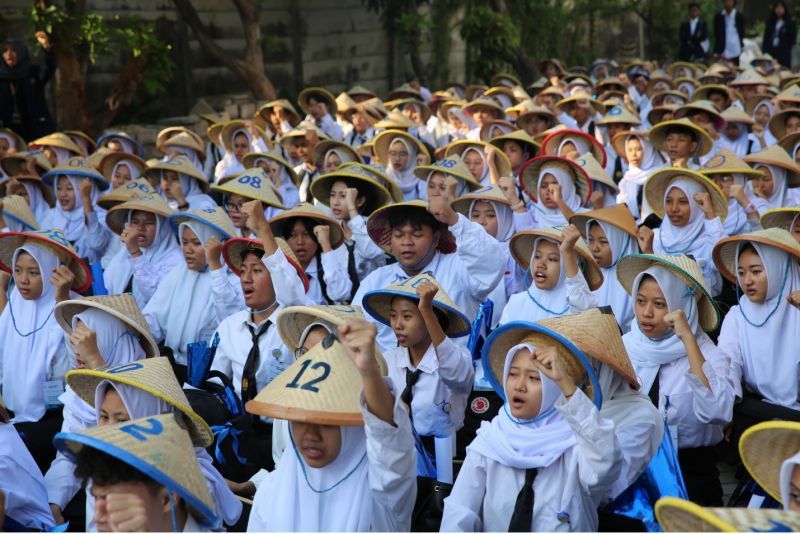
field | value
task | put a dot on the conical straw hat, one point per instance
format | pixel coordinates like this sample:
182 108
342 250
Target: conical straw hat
80 139
15 208
122 307
33 164
359 90
620 115
520 136
484 102
704 91
171 131
381 234
184 139
378 174
97 156
375 194
521 247
118 215
726 162
704 106
318 93
495 128
253 184
618 216
789 142
231 127
775 155
384 139
658 135
780 218
309 211
656 115
553 140
322 387
660 181
395 121
79 167
764 447
529 175
130 191
678 515
501 161
158 446
233 248
108 137
579 97
323 147
215 218
725 250
450 166
181 165
378 303
777 123
152 375
526 116
595 171
684 267
749 77
265 110
344 102
52 239
110 160
514 333
492 193
618 141
19 143
790 94
734 114
249 161
58 140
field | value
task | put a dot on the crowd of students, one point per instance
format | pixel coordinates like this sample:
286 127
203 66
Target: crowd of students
297 322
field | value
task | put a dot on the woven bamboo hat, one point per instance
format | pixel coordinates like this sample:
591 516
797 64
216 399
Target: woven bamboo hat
752 103
266 109
384 139
86 143
491 193
184 139
678 515
231 127
233 248
424 110
553 141
158 446
780 218
619 140
529 175
395 121
595 171
764 447
521 247
318 93
181 165
15 208
378 303
578 98
110 160
377 173
122 307
686 268
486 103
495 128
58 140
216 218
26 164
726 162
55 241
725 250
323 147
656 115
452 166
704 106
660 181
375 193
734 114
514 333
777 123
520 136
526 116
152 375
253 184
213 132
658 134
457 148
250 160
704 91
596 333
620 115
118 215
172 131
618 216
789 142
789 95
308 211
749 77
381 234
19 143
77 166
109 137
775 155
130 191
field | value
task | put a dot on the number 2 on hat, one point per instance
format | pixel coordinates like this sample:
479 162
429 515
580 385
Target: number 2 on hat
310 385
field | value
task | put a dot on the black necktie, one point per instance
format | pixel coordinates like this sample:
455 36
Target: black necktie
408 393
654 391
522 517
352 273
618 169
249 372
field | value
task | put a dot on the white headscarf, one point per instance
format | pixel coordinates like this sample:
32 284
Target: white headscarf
505 219
738 146
736 221
62 154
548 217
131 168
581 145
289 194
228 166
327 325
12 143
461 116
780 188
344 156
36 201
647 354
635 177
767 104
72 222
549 302
31 340
524 444
787 470
687 239
192 154
768 332
611 293
405 178
484 178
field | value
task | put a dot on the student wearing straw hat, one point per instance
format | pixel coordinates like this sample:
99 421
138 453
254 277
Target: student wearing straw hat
398 153
436 374
34 358
16 215
730 174
643 159
319 105
350 467
252 184
25 171
302 140
780 177
681 141
280 173
693 210
678 515
328 155
486 162
543 461
785 218
57 147
182 184
438 175
238 137
686 376
558 188
117 141
778 472
120 168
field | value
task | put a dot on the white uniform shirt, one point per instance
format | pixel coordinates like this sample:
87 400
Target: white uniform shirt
21 482
521 306
337 283
733 47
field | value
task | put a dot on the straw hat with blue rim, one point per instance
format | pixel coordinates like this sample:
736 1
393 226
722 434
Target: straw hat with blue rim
15 208
686 268
253 184
661 181
130 191
158 446
78 167
679 515
378 303
55 241
215 218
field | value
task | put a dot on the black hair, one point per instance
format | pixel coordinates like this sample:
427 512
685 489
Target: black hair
309 225
416 218
678 129
363 192
105 470
441 317
745 247
694 4
257 252
787 15
524 147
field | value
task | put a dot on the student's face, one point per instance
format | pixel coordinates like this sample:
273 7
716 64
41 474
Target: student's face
580 113
634 152
724 182
10 57
680 145
537 125
256 283
599 246
762 115
640 82
332 162
273 170
544 191
314 337
234 208
359 120
28 277
51 155
614 128
338 200
240 146
302 244
694 12
733 130
650 308
719 100
794 491
474 163
319 444
482 116
678 208
407 323
156 504
66 194
483 213
291 150
792 124
569 151
524 386
121 176
748 90
437 185
170 179
752 276
304 149
764 183
398 155
413 112
113 410
701 118
193 252
145 225
115 146
795 230
410 245
317 108
514 153
546 265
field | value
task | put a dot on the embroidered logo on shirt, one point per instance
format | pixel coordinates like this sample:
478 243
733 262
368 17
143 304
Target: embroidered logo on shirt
479 405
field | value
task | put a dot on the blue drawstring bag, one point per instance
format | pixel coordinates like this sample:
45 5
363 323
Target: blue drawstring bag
199 357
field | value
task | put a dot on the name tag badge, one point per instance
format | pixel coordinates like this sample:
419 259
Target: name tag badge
52 391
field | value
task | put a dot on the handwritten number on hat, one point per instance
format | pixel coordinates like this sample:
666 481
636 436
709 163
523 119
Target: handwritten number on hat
446 163
310 385
140 187
58 237
138 431
254 181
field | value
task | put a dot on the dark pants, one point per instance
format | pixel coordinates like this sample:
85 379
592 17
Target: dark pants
38 437
700 473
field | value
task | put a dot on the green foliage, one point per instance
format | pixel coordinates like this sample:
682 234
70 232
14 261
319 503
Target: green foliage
494 39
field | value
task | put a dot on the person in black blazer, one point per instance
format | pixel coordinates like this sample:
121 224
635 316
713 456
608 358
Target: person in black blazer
732 54
691 48
780 35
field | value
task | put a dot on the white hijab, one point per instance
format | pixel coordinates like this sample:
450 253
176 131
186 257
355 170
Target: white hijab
787 470
548 302
689 239
484 179
611 293
405 178
287 190
72 222
581 145
525 444
36 201
548 217
131 168
505 219
12 143
635 177
647 354
780 189
344 156
738 146
62 154
193 156
736 222
769 335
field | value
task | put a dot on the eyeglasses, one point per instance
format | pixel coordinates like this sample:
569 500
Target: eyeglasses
230 206
395 154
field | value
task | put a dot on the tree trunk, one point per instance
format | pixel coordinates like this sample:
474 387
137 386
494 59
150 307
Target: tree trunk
524 65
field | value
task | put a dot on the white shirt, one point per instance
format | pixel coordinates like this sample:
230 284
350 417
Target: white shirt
441 392
21 483
328 126
467 275
521 306
733 46
337 283
565 492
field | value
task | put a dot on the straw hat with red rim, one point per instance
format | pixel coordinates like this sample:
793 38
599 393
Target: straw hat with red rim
552 143
529 175
306 210
250 160
725 250
56 242
501 161
118 215
317 93
775 155
233 249
110 161
381 233
661 181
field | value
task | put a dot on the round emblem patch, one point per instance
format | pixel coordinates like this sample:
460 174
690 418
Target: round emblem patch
479 405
